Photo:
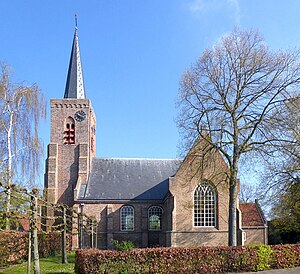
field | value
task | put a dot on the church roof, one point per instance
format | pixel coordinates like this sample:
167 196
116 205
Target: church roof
252 215
129 179
75 85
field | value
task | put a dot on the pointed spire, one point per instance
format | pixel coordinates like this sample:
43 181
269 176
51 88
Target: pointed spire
75 85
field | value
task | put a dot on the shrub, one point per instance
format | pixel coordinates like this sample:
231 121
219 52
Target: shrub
50 243
14 246
285 256
162 260
186 260
264 253
123 246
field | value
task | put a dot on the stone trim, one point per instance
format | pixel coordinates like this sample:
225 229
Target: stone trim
195 232
253 227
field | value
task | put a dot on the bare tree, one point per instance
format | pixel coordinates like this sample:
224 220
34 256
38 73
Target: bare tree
233 90
280 168
247 193
285 167
21 107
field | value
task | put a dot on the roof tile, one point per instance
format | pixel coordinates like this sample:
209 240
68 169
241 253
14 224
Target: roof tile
250 215
129 179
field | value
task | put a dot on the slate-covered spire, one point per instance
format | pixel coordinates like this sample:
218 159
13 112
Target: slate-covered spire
75 85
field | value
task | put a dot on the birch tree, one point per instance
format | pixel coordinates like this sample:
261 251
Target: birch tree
22 106
233 90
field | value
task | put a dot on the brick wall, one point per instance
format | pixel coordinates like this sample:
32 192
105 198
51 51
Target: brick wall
200 165
66 163
108 217
256 235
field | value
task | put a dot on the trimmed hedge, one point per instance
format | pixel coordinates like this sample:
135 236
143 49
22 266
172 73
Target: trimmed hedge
14 246
285 256
187 260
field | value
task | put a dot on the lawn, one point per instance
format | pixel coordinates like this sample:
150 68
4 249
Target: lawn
51 265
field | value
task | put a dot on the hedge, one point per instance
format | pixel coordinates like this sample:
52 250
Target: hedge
14 246
187 260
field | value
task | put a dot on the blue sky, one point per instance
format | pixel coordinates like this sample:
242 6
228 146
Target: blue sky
133 54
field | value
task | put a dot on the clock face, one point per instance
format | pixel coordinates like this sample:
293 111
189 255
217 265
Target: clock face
80 115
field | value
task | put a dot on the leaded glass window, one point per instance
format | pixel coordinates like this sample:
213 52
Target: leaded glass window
204 206
154 217
127 218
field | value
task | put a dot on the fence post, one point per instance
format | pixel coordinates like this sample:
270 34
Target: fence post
34 199
64 236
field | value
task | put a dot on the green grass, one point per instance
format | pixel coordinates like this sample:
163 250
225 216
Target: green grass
48 265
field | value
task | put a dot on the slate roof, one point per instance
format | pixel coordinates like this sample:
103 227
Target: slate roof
75 84
251 215
129 179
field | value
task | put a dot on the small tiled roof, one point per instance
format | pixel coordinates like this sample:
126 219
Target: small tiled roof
251 215
24 224
128 179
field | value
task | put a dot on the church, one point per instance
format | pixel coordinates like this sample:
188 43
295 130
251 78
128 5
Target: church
151 202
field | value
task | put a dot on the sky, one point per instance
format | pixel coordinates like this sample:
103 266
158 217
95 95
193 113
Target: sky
133 55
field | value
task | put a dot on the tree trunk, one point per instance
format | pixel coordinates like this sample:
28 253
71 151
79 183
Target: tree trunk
64 237
232 226
232 233
7 207
96 234
92 234
36 259
8 172
79 230
29 250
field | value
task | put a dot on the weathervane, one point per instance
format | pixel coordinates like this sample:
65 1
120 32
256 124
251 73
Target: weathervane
75 20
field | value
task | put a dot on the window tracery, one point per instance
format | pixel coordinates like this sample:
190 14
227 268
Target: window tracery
204 206
154 217
127 218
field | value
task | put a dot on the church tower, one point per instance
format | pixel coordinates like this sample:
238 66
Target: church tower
72 136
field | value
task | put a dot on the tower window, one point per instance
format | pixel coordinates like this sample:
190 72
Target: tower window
204 206
69 132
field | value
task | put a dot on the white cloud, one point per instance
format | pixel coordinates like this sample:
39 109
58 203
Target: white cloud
197 5
205 6
236 7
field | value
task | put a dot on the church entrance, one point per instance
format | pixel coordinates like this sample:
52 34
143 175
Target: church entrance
153 239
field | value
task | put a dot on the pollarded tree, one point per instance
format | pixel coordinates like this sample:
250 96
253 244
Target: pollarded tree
21 107
233 90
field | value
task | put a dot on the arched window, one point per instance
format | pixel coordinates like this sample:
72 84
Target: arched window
154 217
69 132
204 206
127 218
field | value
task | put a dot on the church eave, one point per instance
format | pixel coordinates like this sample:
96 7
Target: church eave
115 201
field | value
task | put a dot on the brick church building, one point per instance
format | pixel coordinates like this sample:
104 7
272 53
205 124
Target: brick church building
151 202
